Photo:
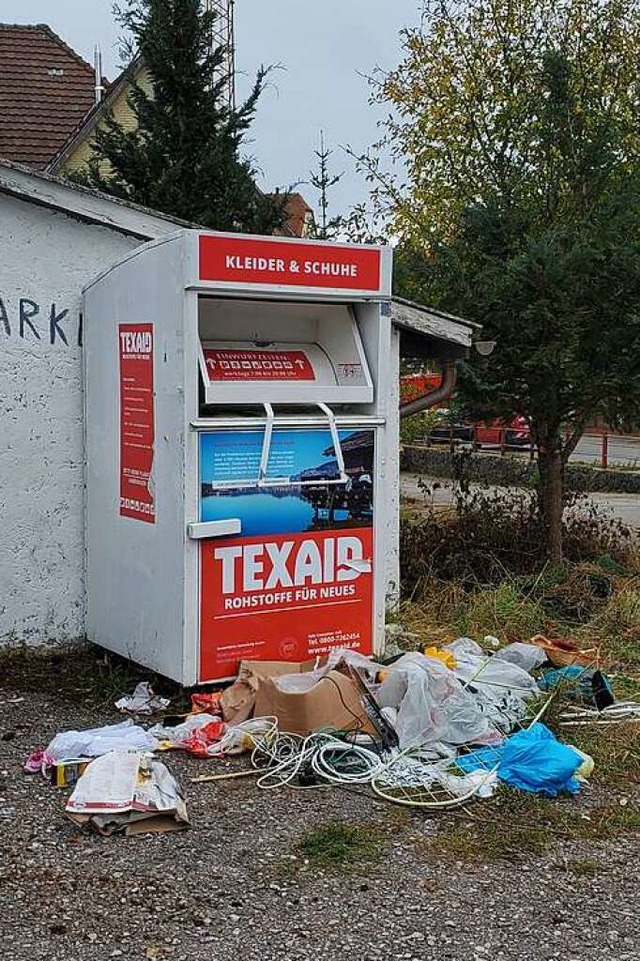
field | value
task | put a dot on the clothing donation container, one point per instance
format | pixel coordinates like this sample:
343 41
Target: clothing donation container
236 408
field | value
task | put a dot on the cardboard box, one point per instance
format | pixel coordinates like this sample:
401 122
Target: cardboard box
238 701
333 702
66 773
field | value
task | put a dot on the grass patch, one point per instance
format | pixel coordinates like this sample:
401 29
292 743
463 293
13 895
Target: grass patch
338 844
501 611
514 827
582 867
615 749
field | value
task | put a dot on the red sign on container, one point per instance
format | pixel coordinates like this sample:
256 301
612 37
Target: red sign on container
247 260
137 421
284 597
257 364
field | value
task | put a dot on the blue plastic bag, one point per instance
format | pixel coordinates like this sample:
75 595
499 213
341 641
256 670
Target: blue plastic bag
532 760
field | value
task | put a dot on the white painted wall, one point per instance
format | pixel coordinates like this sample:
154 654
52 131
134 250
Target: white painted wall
45 259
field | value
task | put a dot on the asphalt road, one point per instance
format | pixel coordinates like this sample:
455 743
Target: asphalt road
622 450
624 506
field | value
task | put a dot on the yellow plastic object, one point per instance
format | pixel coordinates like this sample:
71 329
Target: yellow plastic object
586 768
439 655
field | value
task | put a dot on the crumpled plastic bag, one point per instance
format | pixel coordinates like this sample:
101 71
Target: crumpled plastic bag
360 662
302 682
180 735
206 702
94 742
431 705
142 701
501 689
526 656
244 736
201 739
532 760
446 657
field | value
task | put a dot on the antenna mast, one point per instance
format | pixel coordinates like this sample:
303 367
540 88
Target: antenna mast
224 36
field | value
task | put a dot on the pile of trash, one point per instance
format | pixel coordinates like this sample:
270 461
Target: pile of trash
430 729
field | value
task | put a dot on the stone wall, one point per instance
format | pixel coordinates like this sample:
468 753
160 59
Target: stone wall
513 471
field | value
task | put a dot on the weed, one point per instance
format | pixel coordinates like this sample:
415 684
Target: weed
338 844
501 611
514 827
495 534
615 750
582 867
617 625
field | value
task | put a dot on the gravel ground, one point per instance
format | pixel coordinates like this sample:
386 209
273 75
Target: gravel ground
233 888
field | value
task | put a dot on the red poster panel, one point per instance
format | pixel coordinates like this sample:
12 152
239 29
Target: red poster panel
137 421
225 364
284 597
248 260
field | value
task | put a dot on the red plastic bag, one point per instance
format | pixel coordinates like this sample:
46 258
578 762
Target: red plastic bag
206 702
204 737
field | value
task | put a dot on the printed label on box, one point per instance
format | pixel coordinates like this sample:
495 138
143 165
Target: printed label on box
251 260
225 364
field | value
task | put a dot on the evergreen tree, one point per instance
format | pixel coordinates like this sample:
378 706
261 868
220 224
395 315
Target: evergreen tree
183 156
327 227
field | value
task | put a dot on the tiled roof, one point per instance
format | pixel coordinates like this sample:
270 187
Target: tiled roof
298 213
45 91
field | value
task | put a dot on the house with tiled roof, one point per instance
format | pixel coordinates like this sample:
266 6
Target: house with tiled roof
46 89
49 111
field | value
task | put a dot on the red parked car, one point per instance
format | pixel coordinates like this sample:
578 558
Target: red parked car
492 433
495 433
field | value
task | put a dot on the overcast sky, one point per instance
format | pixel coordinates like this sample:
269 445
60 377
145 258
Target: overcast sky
323 45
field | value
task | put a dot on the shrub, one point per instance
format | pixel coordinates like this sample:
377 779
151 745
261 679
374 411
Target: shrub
491 535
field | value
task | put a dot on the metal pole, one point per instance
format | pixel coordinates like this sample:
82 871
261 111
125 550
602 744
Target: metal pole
605 449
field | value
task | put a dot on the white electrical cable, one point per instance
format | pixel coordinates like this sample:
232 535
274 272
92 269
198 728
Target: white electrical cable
619 713
330 758
342 763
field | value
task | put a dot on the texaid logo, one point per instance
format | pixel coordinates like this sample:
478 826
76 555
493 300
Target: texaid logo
136 342
272 566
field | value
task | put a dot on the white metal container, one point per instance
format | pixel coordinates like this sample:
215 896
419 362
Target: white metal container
237 393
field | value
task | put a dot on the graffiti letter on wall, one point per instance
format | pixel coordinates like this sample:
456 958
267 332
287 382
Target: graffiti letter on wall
28 309
54 329
4 317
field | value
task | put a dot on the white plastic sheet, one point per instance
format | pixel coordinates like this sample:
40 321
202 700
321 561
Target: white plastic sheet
100 740
526 656
432 706
500 689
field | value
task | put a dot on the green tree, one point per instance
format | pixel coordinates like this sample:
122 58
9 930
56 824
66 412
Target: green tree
183 156
323 180
518 126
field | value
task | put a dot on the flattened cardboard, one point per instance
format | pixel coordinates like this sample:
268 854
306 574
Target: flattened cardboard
130 792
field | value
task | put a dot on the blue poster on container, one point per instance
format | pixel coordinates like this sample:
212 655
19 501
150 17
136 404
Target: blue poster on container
298 579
